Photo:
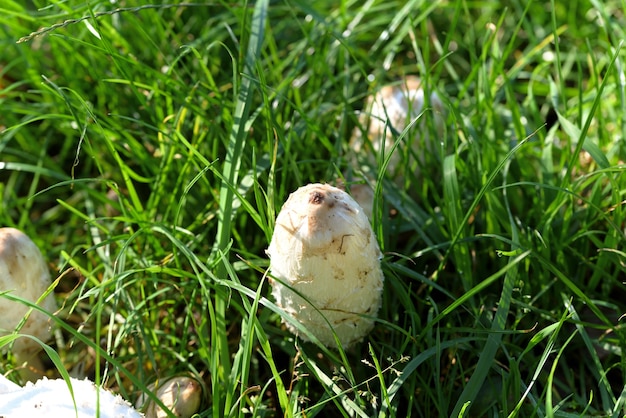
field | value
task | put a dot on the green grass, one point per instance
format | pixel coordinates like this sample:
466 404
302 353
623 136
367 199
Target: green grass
147 151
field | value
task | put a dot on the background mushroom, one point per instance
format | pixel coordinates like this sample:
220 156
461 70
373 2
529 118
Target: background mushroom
24 273
385 116
182 395
323 247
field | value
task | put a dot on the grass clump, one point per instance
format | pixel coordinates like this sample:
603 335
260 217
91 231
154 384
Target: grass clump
147 149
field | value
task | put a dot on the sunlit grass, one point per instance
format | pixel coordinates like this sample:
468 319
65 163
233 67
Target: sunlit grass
147 152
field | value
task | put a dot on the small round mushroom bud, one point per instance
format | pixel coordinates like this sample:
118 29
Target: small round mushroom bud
324 248
385 116
181 395
52 398
24 273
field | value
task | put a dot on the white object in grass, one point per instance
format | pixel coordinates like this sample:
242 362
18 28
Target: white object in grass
24 273
181 395
324 248
52 398
393 108
7 386
386 114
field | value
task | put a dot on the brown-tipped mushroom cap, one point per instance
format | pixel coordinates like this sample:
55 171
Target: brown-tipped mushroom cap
324 248
24 273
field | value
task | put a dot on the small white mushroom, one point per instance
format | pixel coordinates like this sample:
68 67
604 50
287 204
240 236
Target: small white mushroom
52 398
393 108
324 248
24 273
181 395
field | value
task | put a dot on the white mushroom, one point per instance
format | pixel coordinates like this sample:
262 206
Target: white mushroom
391 109
52 398
324 248
24 273
7 386
181 395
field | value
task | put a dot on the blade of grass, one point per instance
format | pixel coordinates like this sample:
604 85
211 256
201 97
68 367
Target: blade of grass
484 188
452 197
232 163
239 132
604 386
494 339
550 410
551 332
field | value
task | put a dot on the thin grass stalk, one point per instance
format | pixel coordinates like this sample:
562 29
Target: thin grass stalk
232 164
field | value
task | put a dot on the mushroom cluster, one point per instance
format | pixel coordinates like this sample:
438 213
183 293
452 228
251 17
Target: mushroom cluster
325 262
24 273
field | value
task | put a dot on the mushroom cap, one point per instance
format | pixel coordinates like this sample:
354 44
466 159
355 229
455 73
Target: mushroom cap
181 394
52 398
393 108
324 248
396 105
24 273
